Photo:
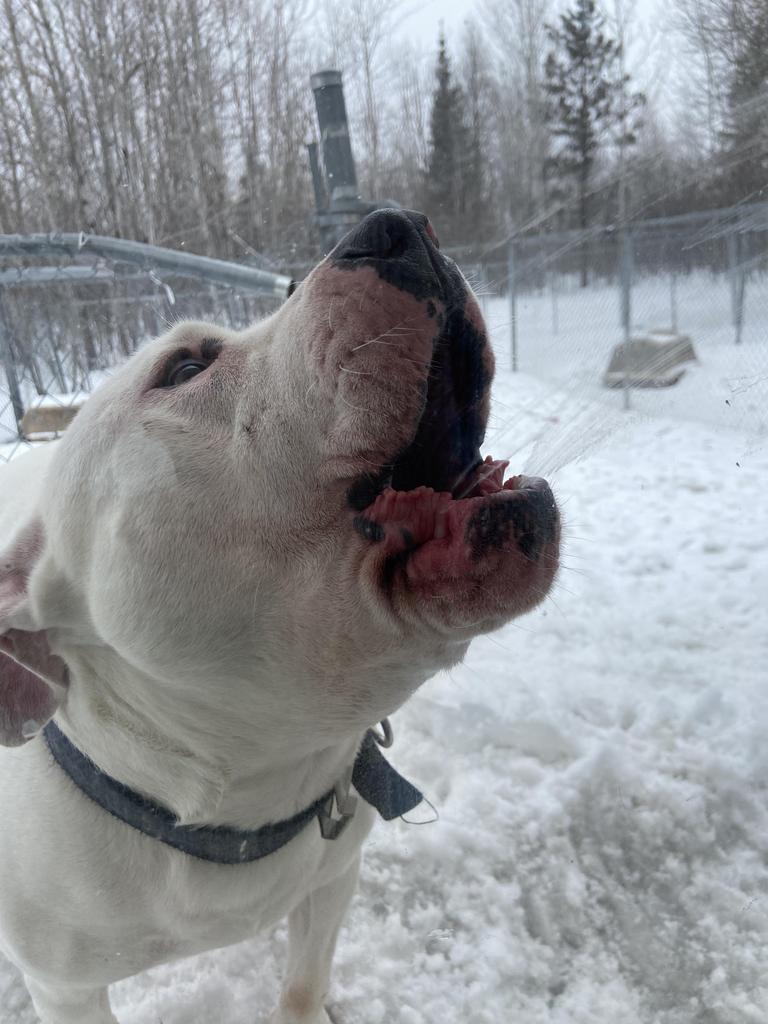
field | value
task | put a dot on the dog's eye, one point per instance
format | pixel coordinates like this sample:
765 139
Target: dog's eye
181 372
183 364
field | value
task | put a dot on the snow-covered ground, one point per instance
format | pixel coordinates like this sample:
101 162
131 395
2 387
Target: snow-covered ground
599 767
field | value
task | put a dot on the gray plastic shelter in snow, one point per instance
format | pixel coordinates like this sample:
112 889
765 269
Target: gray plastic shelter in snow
653 360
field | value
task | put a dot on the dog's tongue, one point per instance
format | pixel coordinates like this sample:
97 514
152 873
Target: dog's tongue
487 478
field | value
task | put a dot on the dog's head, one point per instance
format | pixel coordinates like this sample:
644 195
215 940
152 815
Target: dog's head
290 523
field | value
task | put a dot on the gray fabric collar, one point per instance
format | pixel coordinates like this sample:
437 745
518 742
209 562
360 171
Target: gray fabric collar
372 776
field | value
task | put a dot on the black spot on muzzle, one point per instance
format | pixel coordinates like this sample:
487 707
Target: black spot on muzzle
530 517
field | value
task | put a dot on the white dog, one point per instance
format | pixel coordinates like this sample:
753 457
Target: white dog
248 549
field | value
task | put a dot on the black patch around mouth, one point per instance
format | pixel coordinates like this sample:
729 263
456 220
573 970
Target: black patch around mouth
451 429
399 247
367 487
446 446
531 516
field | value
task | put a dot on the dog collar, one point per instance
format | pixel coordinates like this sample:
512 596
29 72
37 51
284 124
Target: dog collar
372 776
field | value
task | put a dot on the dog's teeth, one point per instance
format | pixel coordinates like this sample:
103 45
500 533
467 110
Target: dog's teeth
439 531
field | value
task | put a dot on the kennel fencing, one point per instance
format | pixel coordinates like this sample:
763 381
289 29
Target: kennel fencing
74 305
681 255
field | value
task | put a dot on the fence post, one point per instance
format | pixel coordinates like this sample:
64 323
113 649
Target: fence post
738 279
555 312
673 300
625 271
626 282
9 365
740 289
511 285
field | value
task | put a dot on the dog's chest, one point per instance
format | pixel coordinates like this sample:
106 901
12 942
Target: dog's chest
104 901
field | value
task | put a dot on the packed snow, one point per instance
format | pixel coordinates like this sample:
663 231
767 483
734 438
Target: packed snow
599 767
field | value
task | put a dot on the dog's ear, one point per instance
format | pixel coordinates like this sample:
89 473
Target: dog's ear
33 681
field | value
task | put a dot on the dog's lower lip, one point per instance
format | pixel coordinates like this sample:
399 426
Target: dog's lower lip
435 540
424 514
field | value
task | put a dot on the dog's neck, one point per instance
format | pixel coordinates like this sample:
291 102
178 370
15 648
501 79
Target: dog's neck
204 768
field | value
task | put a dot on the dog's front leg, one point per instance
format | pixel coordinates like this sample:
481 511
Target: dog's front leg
312 931
70 1005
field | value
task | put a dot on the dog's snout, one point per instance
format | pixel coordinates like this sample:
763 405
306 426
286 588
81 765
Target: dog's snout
387 235
402 247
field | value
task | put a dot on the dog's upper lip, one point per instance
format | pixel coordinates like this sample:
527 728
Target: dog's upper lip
446 444
444 449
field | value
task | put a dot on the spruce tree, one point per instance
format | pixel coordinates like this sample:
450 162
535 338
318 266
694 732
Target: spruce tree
446 180
588 100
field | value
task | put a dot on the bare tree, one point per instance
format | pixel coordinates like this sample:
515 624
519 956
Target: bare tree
153 120
703 25
516 30
357 39
477 87
407 148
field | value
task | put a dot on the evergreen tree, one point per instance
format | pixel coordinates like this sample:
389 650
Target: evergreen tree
447 175
588 99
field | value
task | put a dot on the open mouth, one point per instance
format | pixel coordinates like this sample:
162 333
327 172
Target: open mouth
439 508
442 533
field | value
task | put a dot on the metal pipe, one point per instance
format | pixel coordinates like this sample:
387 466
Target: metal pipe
185 264
334 135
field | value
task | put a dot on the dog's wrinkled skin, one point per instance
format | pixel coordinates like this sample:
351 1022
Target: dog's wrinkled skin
215 589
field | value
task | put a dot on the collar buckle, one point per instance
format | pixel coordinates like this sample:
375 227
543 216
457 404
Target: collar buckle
345 804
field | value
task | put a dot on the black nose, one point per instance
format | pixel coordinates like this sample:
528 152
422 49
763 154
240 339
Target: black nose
387 235
402 247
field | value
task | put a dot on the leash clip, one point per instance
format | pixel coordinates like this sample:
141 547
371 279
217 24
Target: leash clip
339 809
386 737
345 804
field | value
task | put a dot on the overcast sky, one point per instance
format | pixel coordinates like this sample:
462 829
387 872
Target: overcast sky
649 51
421 18
423 22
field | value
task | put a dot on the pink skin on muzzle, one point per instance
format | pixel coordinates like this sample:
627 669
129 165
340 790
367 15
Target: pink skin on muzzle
475 552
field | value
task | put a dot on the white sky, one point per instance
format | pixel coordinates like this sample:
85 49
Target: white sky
423 23
421 18
651 51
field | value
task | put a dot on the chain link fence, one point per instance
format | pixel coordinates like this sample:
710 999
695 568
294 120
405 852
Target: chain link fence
704 270
73 306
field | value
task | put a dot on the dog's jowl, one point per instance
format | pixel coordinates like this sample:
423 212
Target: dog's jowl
247 550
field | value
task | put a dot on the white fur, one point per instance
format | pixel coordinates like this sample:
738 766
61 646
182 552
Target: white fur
215 637
200 582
